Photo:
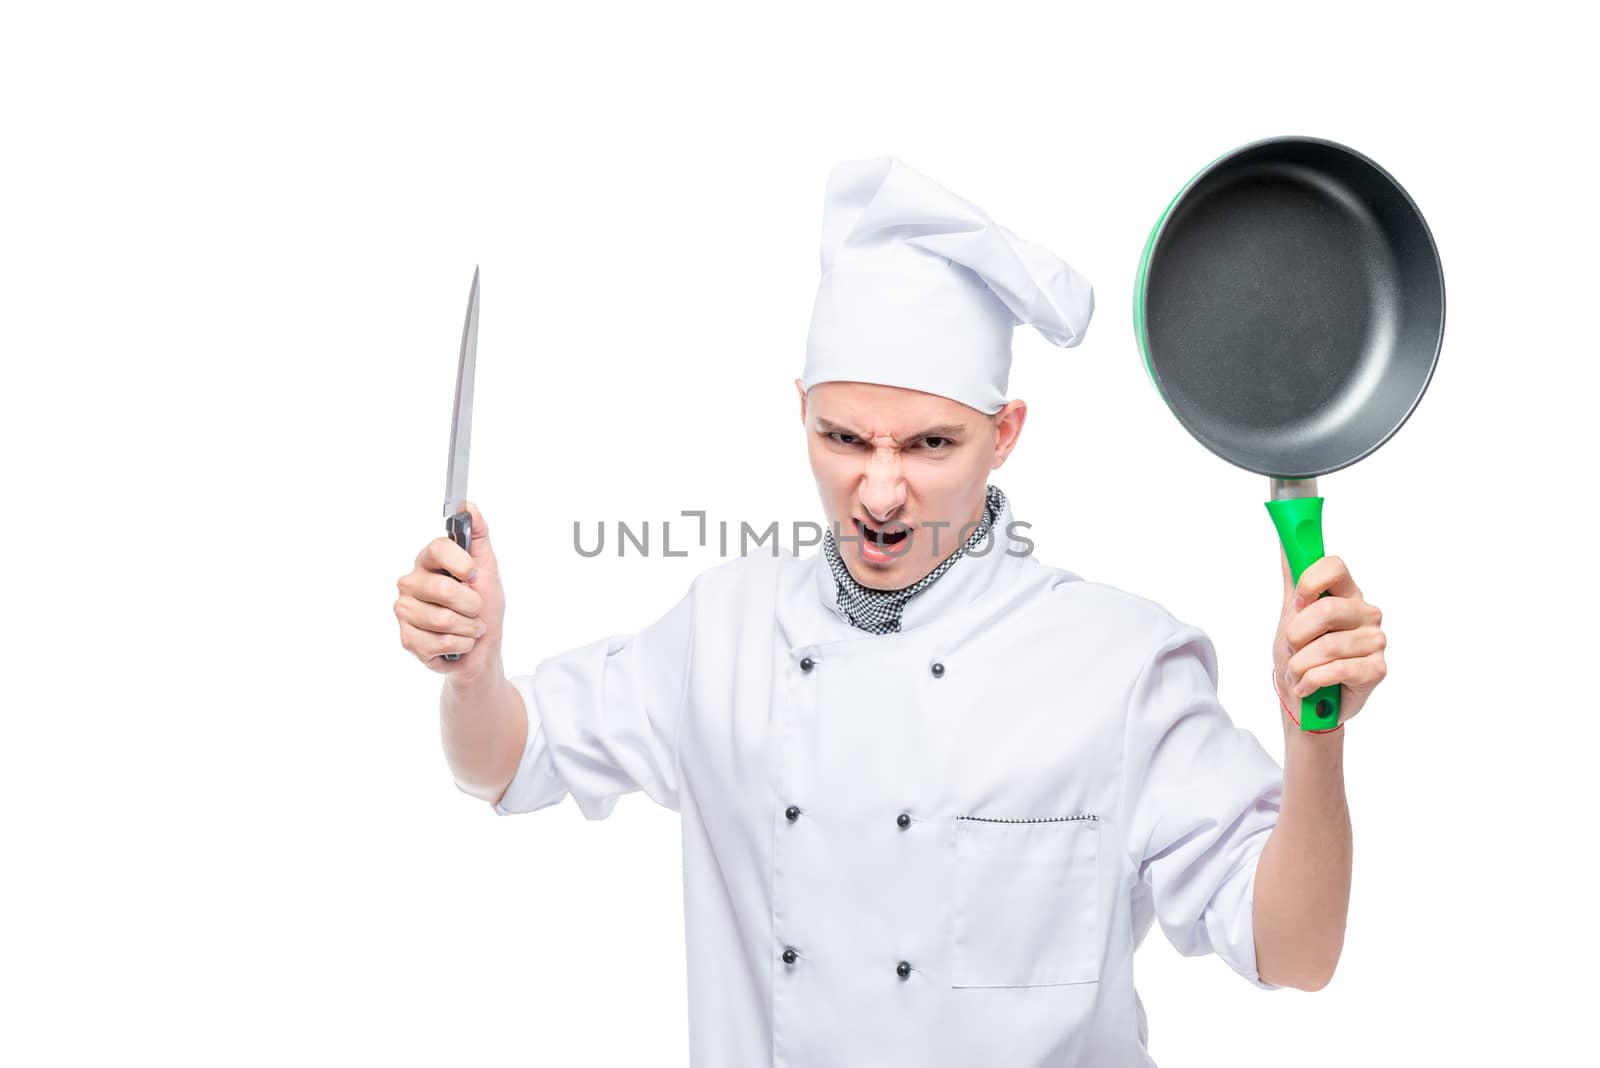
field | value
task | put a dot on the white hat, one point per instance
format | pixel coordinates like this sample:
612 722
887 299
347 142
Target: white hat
921 289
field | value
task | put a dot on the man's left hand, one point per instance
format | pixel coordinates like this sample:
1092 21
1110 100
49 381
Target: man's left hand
1324 640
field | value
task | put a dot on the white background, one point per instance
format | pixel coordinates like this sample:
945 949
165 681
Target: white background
234 256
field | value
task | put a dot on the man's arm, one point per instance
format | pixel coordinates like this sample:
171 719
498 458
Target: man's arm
1302 891
1328 634
452 601
485 728
595 722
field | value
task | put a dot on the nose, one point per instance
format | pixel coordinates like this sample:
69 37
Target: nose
883 487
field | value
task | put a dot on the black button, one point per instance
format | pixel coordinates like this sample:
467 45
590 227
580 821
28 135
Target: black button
789 955
904 820
903 969
792 812
938 670
806 664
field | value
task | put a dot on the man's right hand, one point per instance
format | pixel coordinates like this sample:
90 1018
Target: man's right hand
462 611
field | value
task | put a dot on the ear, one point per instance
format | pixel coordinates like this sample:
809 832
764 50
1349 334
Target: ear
1008 427
801 390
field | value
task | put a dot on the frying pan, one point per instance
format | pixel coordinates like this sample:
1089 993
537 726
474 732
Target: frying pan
1289 306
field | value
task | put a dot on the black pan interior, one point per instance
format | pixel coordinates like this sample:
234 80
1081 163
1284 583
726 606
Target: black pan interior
1294 307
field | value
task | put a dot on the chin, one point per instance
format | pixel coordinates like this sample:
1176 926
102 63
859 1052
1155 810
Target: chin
886 574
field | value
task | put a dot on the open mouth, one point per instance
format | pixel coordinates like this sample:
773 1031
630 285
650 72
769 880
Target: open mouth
878 537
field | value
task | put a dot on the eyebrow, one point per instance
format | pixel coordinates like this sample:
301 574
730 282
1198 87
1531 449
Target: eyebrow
947 430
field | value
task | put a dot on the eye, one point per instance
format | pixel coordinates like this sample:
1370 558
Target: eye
837 434
928 443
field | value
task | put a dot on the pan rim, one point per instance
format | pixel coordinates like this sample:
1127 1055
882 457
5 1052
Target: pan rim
1141 290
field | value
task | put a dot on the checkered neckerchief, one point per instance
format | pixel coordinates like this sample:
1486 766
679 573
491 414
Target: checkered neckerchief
878 611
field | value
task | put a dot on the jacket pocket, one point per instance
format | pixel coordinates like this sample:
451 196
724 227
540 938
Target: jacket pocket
1027 901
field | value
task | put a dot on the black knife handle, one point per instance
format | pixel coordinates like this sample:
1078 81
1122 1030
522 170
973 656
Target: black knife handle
459 527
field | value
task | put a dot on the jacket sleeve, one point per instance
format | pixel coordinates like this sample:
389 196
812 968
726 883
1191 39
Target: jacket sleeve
603 719
1201 797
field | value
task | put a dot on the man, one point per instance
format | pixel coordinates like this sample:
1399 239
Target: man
934 792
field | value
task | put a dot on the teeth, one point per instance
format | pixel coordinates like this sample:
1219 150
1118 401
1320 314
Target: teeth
878 535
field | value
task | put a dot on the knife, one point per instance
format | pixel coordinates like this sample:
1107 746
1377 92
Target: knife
458 522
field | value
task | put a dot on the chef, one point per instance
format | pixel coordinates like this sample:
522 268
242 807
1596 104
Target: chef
934 792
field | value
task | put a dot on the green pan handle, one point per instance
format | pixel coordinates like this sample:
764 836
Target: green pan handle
1299 523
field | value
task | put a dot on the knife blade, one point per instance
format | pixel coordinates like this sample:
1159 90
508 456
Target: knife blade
458 522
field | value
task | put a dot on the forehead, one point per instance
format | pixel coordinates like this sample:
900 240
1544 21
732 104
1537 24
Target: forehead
869 408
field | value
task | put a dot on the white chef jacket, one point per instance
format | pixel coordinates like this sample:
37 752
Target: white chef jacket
960 832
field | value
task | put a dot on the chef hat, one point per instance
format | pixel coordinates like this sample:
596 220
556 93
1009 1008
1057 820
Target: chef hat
921 289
